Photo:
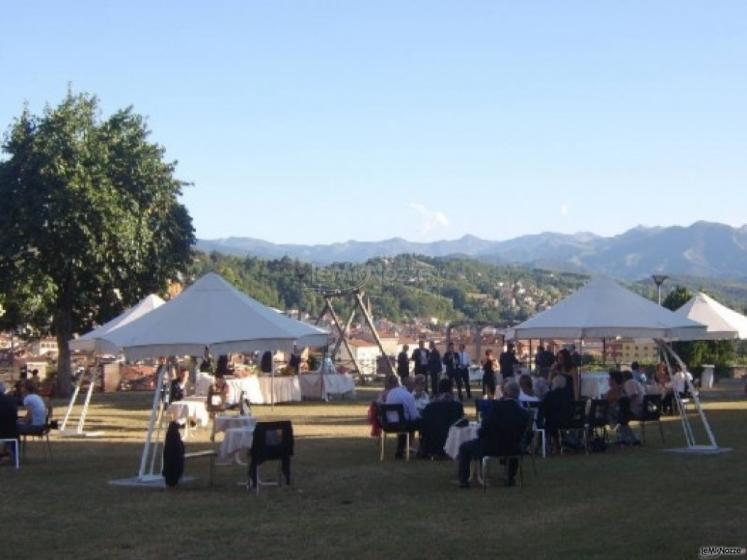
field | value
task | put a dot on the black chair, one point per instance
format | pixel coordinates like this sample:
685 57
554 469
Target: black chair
40 432
506 459
652 407
575 423
598 418
392 421
435 421
273 441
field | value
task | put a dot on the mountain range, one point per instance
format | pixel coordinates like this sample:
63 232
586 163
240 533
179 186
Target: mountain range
703 249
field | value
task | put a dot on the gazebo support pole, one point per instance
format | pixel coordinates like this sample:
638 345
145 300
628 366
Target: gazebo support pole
696 399
154 413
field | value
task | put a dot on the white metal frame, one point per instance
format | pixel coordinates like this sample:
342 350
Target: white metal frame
667 352
78 431
150 448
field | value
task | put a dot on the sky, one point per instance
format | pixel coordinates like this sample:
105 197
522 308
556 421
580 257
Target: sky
323 121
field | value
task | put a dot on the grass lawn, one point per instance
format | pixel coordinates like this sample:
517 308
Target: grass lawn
632 503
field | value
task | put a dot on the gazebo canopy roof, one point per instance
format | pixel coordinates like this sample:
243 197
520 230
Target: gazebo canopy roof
604 309
211 313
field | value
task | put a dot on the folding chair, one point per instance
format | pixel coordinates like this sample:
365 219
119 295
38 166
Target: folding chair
392 420
273 441
598 418
575 424
40 432
651 413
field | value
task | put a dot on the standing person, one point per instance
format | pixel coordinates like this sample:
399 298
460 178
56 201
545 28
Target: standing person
451 361
638 375
507 361
544 359
463 372
179 386
435 366
488 375
420 357
564 366
403 363
576 359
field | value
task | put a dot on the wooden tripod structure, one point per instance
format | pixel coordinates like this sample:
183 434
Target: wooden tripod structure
357 294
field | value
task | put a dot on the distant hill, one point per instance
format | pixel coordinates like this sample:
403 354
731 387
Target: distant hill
703 249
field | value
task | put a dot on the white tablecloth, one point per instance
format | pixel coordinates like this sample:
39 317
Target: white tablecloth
224 422
202 383
258 389
191 408
321 386
236 440
457 436
595 384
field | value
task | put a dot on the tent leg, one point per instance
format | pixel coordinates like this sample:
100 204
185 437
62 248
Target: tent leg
73 398
154 413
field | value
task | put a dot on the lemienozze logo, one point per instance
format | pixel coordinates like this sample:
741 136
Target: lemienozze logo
709 552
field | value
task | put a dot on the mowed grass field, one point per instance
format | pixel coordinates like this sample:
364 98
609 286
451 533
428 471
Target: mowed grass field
344 503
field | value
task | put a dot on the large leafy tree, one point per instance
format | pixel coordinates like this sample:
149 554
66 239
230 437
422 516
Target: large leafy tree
90 219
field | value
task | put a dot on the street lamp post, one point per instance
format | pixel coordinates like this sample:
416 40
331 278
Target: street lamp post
659 280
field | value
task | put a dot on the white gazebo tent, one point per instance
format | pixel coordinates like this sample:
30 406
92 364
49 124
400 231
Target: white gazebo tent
721 322
211 314
604 309
94 342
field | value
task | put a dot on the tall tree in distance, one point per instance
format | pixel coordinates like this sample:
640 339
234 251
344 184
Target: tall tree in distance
90 217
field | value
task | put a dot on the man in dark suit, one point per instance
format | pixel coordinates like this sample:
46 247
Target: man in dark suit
420 357
451 361
403 363
435 367
507 360
501 432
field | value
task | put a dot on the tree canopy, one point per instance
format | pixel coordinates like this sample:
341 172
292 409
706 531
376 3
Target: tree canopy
90 217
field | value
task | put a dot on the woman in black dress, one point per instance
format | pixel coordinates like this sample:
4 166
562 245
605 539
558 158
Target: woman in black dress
488 375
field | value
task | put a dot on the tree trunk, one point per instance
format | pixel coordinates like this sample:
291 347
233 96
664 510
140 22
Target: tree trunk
64 332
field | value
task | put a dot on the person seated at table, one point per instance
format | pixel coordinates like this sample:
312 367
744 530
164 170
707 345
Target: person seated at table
557 408
221 367
178 390
500 434
526 390
638 374
400 395
18 387
445 391
36 410
681 380
635 391
540 386
416 385
217 397
8 421
620 413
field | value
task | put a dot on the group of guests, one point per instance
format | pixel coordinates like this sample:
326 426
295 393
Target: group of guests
415 399
11 426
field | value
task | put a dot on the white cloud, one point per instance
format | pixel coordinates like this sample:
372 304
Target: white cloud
564 209
432 219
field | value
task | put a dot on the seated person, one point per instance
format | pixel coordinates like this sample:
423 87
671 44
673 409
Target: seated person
36 410
635 391
217 397
557 408
500 434
445 391
179 385
436 420
638 375
400 395
8 419
681 380
526 390
620 409
541 386
417 387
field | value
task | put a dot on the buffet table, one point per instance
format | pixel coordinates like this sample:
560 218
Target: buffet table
321 386
258 389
